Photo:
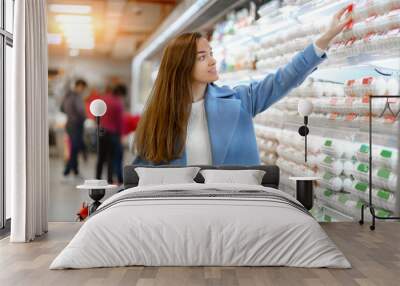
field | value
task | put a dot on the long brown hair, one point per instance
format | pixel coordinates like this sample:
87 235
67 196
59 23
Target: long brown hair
161 132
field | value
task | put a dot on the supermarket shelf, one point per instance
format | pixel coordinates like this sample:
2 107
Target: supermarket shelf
323 126
352 67
318 9
382 67
388 59
286 18
303 14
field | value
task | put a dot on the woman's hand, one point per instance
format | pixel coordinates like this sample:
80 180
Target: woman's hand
336 26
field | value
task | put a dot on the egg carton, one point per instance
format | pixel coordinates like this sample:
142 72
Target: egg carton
381 177
382 198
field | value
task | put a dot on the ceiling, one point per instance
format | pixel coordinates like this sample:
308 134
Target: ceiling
117 27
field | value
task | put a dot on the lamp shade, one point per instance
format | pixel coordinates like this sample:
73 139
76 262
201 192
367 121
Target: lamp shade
305 107
98 107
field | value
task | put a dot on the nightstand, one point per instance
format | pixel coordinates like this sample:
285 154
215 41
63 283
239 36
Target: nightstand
97 190
304 190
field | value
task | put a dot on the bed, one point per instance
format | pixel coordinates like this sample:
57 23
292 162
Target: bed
199 224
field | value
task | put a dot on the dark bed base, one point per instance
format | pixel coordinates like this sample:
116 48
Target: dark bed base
270 179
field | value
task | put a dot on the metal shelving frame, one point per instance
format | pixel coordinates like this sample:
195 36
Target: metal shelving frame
370 204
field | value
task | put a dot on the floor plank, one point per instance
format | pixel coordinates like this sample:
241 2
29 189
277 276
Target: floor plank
375 257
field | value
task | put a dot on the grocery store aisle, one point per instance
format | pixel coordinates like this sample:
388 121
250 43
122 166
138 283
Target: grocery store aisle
375 257
65 199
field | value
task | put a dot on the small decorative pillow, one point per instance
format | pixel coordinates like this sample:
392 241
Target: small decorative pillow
249 177
161 176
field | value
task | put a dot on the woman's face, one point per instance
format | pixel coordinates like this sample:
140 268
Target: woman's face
204 70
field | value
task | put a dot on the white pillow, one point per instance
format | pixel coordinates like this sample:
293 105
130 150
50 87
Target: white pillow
249 177
162 176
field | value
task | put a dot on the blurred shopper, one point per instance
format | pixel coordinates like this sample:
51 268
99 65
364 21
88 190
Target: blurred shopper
111 151
74 108
189 120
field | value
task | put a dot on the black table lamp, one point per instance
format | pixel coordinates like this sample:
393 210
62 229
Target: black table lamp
97 188
304 185
98 108
305 107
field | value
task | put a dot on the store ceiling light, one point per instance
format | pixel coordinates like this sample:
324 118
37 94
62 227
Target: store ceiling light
78 41
78 35
76 30
71 9
88 39
74 52
81 46
73 19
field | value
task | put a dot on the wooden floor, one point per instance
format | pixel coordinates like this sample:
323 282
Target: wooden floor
375 257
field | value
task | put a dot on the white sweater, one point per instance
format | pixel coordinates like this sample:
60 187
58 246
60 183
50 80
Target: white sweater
198 147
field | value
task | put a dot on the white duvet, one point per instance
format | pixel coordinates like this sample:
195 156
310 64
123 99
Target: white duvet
200 231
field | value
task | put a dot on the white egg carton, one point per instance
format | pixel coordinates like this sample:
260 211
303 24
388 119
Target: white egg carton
330 181
369 8
381 156
338 148
338 200
373 24
381 177
376 43
295 169
366 86
330 164
382 198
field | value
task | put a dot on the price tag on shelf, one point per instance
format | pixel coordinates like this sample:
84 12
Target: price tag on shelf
350 8
328 160
350 42
351 117
349 100
383 173
333 101
394 32
368 37
361 186
367 80
363 168
333 116
349 25
390 119
383 194
386 153
364 149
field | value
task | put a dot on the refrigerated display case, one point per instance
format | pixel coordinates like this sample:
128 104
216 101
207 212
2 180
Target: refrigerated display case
362 61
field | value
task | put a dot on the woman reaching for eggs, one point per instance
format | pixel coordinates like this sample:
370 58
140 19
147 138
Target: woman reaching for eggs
188 120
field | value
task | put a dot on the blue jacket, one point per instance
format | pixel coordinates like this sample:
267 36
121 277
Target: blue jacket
230 112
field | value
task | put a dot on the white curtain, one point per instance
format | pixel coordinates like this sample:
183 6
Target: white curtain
27 148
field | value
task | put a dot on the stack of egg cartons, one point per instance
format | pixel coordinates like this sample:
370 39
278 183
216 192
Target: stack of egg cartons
384 177
278 49
350 108
358 92
345 176
375 28
318 92
332 173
